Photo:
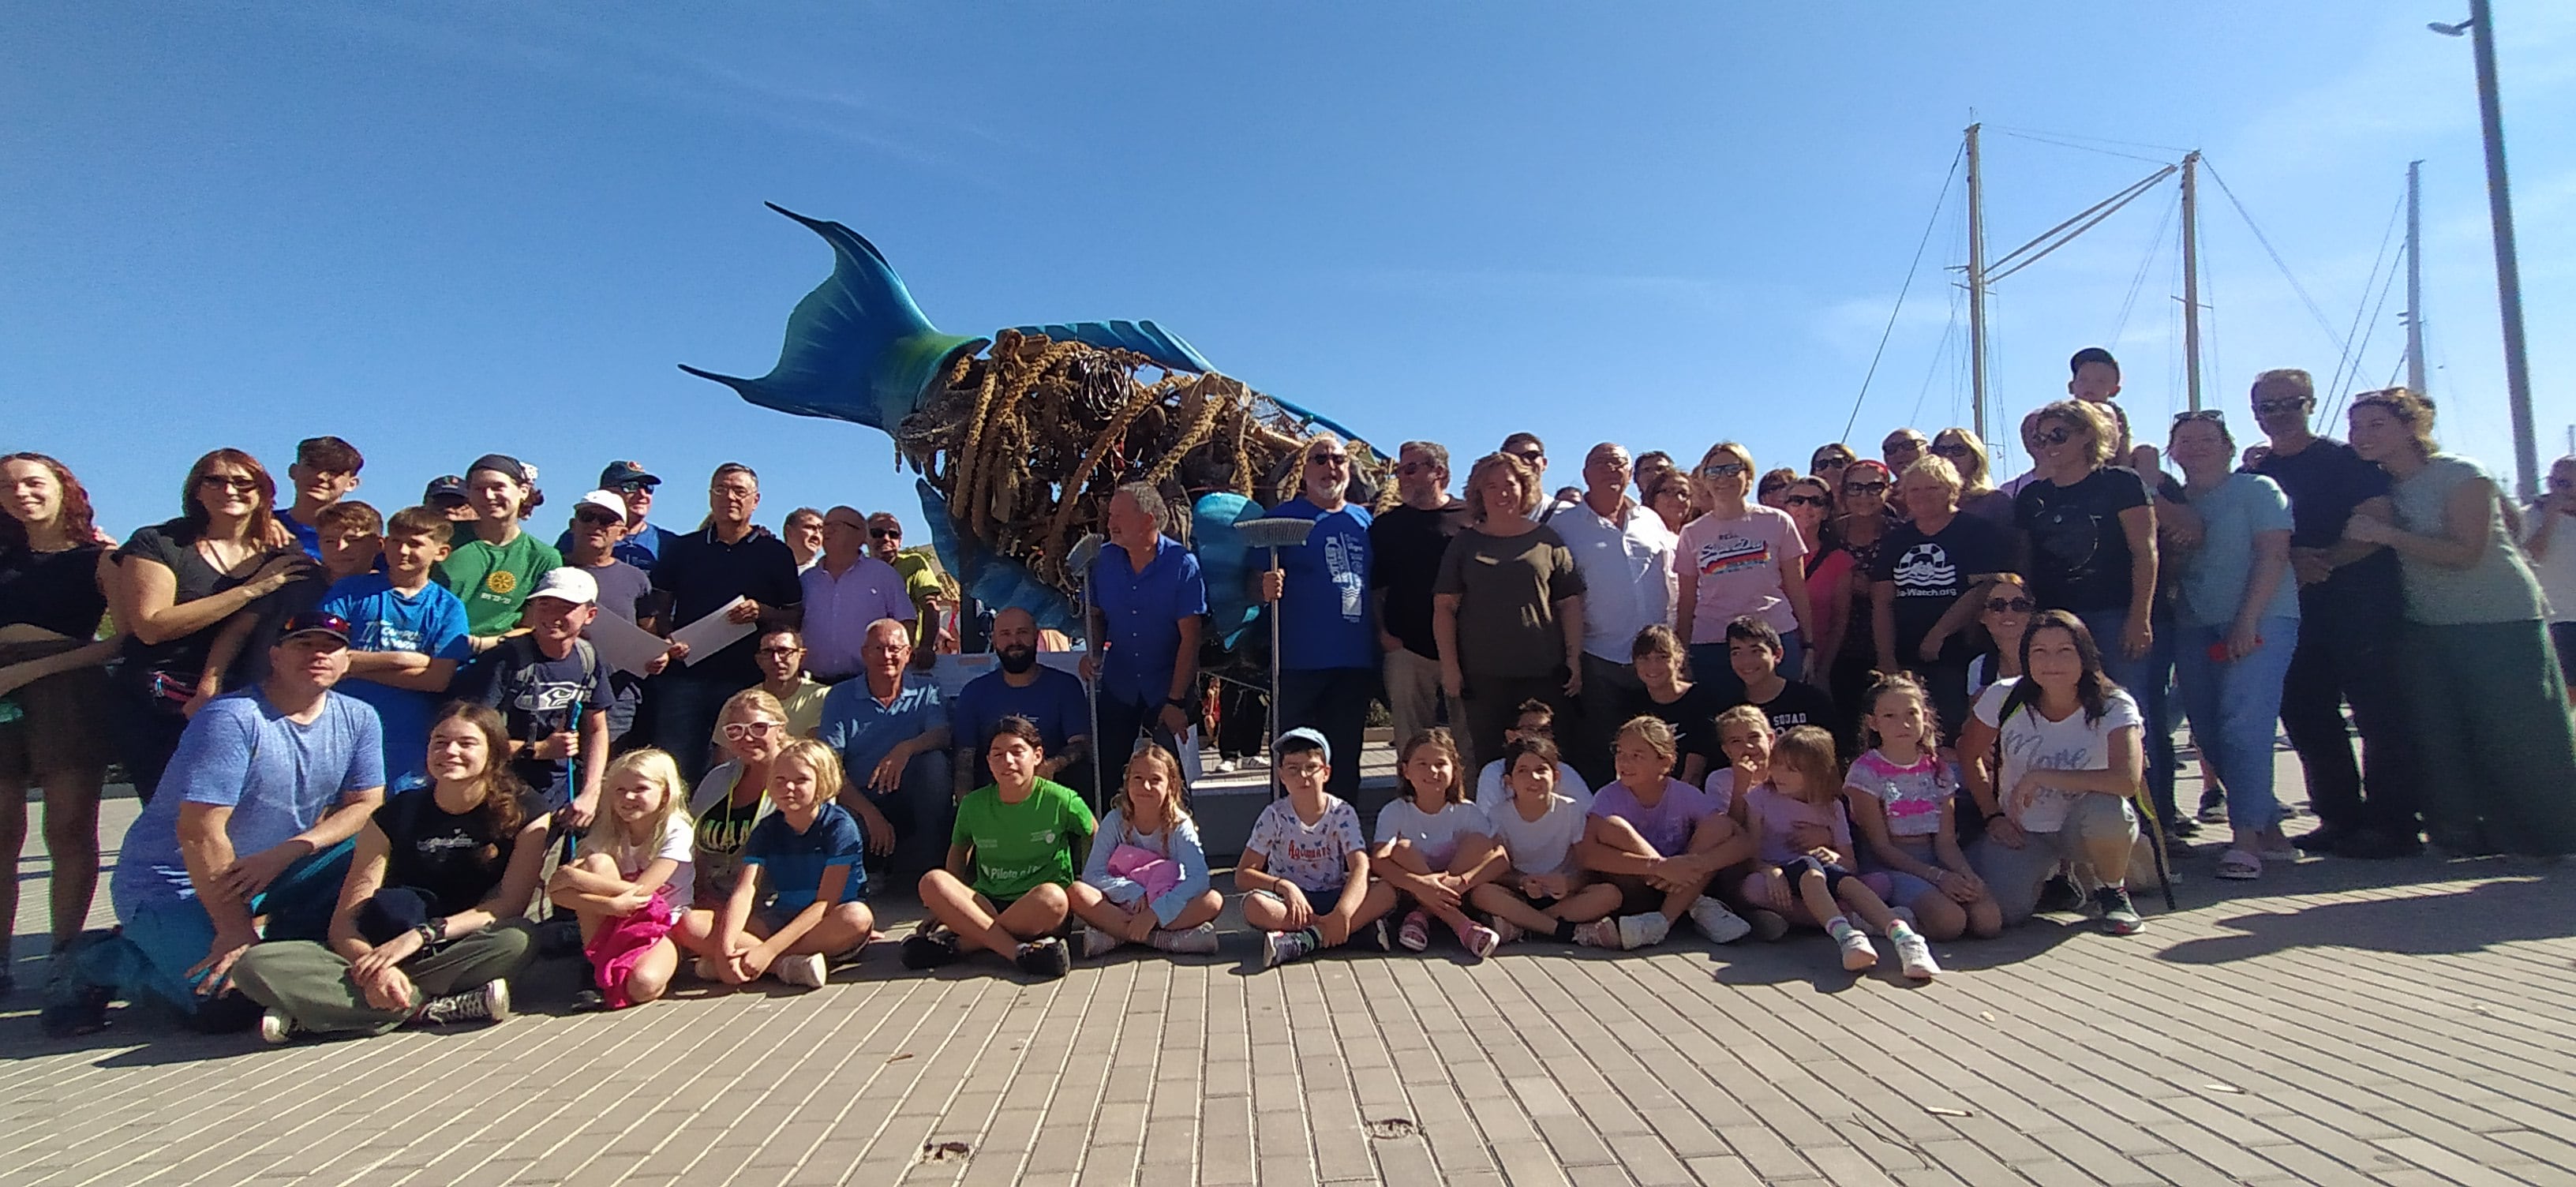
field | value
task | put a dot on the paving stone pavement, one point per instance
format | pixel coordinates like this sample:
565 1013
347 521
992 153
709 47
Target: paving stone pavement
2392 1024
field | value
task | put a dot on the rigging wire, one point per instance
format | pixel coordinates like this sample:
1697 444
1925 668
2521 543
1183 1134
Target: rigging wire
1948 334
2096 213
2139 281
1929 226
2350 362
2366 331
2277 262
2083 136
2082 147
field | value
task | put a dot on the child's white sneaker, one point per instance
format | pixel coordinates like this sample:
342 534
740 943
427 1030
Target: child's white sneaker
1097 943
1643 931
1192 941
1285 946
805 971
1858 955
1718 923
1915 953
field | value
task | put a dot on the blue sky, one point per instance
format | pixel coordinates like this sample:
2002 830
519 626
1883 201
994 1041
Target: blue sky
438 230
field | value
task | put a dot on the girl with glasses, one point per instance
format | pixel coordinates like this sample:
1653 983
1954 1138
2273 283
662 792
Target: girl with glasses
752 730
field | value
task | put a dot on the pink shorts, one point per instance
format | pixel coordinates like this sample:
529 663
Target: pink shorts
620 944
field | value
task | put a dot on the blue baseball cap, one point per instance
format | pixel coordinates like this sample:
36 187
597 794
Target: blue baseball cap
1308 734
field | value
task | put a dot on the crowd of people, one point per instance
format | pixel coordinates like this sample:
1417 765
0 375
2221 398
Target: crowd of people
387 759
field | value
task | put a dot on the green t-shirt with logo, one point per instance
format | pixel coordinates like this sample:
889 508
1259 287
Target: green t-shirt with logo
1019 847
492 579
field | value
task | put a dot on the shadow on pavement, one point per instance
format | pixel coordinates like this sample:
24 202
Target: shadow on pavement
2466 920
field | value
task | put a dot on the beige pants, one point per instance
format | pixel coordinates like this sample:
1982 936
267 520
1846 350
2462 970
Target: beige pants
1413 694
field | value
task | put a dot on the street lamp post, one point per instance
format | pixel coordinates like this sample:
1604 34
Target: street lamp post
2480 27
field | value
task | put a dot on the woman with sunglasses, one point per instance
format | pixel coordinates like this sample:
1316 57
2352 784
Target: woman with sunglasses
1740 558
1966 453
1855 537
181 590
2237 618
1827 463
2489 705
2550 539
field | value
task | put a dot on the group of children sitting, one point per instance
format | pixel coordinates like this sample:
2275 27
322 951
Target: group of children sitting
1785 835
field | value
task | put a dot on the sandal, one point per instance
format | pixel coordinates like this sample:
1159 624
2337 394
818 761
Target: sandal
1415 932
2239 866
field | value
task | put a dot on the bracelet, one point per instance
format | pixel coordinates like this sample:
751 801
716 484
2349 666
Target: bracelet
1995 815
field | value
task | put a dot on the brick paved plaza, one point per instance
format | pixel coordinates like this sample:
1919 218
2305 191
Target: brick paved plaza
2395 1023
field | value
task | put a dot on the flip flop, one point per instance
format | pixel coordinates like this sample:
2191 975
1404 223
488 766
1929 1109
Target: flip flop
2238 865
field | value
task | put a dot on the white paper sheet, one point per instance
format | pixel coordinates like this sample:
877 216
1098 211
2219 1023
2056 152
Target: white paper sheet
712 633
625 646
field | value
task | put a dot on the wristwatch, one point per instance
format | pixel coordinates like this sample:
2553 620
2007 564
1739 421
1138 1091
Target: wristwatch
431 932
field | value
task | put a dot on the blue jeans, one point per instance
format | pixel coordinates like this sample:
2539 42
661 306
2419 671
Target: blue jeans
2149 680
2234 706
151 957
1709 665
922 810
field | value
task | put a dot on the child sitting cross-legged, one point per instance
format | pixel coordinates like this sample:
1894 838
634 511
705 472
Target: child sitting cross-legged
802 896
1010 858
1543 891
1434 847
1662 842
1305 869
1905 801
1147 880
631 881
1803 859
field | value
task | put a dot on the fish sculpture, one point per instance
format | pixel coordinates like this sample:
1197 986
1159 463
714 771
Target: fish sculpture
1018 439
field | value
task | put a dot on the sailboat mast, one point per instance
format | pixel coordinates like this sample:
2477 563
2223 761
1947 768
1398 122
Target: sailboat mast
1977 285
2191 275
2414 280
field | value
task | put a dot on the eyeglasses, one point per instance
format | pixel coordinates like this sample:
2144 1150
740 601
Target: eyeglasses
228 482
597 519
751 729
1328 459
780 652
1865 488
2056 436
1805 500
886 533
1409 469
628 488
2011 606
1722 470
2278 407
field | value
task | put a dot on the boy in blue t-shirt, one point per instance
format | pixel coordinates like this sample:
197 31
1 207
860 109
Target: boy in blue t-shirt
406 636
803 894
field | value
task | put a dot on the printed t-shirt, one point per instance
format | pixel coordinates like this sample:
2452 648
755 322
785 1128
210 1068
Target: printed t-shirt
723 828
1405 547
1738 565
454 860
1668 824
1316 856
608 836
494 579
278 776
2031 742
430 622
1913 795
2079 550
538 695
1437 836
1932 571
1541 846
1324 599
1020 847
795 861
1797 703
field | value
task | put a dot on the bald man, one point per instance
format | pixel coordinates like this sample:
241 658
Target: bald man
891 728
1020 686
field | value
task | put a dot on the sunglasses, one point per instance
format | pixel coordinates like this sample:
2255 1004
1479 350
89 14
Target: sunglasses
1826 461
1328 459
2057 436
751 729
1902 445
227 482
1409 469
1533 457
597 519
2277 407
1722 470
1865 488
1951 451
1805 500
886 533
628 488
2011 606
2212 415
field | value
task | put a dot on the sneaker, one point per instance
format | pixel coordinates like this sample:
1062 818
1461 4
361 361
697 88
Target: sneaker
1378 936
1254 762
589 1001
929 948
1415 934
2182 826
275 1028
2058 894
1505 932
805 971
1643 931
1480 940
2119 916
1225 766
1097 943
706 969
1718 923
1047 958
2213 811
1915 954
1858 955
488 1002
1600 933
1192 941
1768 925
1284 946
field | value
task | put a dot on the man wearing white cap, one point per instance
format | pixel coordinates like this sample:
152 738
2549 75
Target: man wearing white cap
553 695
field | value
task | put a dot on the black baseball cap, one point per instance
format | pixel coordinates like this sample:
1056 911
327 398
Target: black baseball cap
620 473
313 622
445 486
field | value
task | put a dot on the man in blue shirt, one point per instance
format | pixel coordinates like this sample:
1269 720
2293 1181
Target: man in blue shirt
1022 687
407 636
1148 601
254 819
1328 650
892 731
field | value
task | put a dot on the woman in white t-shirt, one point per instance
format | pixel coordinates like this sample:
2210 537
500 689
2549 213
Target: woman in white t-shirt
1543 891
2071 760
631 881
1434 848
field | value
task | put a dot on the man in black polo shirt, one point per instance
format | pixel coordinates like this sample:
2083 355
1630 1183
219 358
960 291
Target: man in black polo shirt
699 572
2351 612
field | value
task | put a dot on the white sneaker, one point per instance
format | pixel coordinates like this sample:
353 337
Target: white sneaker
1255 762
1858 955
1097 943
1915 953
1193 941
1718 923
275 1028
804 971
1643 931
1225 766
